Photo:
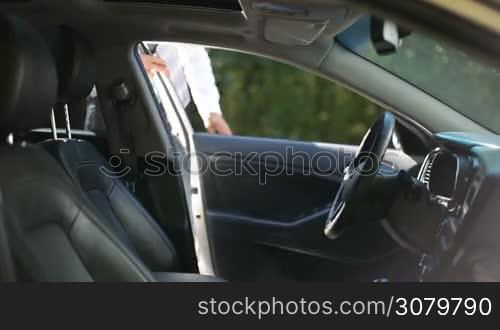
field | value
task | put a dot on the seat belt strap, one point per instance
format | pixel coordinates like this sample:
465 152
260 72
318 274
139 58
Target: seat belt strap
7 271
123 99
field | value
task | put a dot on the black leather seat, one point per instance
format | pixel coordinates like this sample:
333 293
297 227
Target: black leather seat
55 232
120 210
123 213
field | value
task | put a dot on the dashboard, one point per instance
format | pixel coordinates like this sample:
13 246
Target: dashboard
460 208
446 175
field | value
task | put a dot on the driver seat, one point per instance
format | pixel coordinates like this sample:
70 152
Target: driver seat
55 233
122 213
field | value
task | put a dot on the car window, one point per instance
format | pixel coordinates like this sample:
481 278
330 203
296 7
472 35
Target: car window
262 97
448 74
231 5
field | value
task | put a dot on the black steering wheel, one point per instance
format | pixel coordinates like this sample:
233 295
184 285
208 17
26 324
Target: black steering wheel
360 174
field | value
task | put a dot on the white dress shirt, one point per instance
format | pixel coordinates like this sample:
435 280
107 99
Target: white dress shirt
191 70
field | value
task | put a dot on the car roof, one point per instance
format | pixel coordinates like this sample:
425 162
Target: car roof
232 5
471 25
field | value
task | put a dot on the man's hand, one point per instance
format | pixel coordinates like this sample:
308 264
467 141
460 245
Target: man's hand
218 125
154 64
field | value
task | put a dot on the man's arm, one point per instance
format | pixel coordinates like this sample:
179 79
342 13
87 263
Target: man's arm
200 77
154 64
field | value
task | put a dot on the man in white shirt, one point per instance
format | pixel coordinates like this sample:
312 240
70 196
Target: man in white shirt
190 71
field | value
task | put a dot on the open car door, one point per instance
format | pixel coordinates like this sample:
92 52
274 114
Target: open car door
258 206
266 203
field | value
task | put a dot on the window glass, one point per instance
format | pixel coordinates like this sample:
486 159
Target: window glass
442 71
262 97
257 96
232 5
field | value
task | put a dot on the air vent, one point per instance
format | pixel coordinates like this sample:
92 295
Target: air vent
425 172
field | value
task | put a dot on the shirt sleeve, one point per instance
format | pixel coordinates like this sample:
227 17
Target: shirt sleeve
162 50
200 78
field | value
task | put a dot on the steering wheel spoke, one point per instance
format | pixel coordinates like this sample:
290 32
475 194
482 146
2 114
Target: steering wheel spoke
362 169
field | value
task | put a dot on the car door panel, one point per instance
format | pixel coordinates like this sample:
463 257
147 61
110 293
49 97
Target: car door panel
265 218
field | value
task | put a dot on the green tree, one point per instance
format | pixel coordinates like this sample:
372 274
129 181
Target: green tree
262 97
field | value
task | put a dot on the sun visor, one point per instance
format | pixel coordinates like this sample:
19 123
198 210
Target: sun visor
298 24
292 32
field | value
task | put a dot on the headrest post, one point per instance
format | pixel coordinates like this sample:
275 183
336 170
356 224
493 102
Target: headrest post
66 117
10 139
53 124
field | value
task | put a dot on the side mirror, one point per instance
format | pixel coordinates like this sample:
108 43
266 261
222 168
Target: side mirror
386 36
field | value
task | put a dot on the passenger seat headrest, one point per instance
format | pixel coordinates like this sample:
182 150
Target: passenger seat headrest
28 77
74 63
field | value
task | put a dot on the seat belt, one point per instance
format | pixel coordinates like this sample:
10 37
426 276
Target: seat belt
7 272
171 92
122 100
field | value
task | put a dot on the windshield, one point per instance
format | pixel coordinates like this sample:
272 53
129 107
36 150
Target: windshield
447 74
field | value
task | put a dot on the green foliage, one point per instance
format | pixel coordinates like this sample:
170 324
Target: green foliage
261 97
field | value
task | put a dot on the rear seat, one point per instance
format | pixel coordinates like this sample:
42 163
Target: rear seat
124 214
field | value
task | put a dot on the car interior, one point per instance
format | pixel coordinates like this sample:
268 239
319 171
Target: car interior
80 205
